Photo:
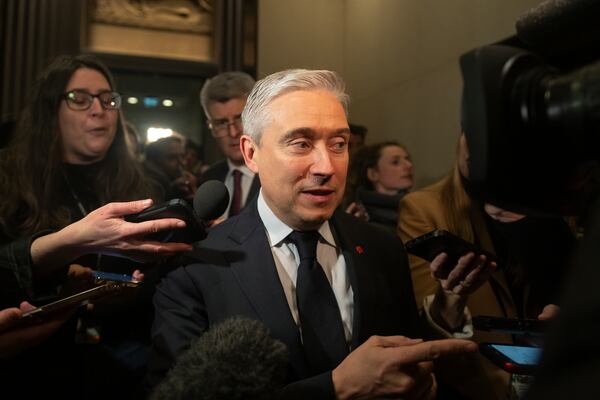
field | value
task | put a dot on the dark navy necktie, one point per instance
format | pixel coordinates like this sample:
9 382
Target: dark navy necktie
320 319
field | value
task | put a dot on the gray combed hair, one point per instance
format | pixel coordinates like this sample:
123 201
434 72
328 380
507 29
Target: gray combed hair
255 115
224 87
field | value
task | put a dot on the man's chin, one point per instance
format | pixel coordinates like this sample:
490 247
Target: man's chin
313 220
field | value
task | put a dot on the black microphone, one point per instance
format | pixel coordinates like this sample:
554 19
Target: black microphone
210 202
235 359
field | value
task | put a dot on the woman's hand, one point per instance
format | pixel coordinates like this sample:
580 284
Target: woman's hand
500 214
469 273
105 231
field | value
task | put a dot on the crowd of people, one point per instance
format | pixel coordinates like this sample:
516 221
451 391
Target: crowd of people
307 263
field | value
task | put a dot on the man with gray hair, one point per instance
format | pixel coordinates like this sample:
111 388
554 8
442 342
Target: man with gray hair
223 98
335 290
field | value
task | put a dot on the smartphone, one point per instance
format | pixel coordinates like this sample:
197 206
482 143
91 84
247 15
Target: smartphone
511 358
79 299
515 326
102 277
429 245
176 208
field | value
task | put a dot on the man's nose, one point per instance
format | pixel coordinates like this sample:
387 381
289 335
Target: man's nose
234 130
322 162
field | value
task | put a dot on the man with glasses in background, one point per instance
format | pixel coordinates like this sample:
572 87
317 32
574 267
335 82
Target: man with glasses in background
223 98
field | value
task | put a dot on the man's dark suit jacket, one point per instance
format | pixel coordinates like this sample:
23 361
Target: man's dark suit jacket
219 172
236 275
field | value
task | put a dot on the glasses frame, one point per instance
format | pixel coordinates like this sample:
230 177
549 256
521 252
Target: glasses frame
116 97
223 129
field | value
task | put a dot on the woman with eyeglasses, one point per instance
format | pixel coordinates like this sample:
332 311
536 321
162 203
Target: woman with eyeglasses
60 179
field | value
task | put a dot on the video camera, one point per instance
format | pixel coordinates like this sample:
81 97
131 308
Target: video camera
531 110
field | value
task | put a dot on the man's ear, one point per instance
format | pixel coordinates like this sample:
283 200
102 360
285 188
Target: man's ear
249 151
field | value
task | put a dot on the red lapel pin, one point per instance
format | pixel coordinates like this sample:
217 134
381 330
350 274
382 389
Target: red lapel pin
359 249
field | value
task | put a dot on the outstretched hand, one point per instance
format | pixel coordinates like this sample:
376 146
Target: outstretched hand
394 366
105 231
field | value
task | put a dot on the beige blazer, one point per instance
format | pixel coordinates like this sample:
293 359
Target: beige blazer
474 376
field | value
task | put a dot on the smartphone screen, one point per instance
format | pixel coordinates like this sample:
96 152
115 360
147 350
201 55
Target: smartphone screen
511 358
101 276
522 355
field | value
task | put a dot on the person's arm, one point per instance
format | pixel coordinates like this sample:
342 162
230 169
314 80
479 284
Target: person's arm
105 231
17 335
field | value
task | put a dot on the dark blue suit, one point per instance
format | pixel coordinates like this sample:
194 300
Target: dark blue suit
236 275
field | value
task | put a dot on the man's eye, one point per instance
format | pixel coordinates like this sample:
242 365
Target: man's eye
301 144
339 146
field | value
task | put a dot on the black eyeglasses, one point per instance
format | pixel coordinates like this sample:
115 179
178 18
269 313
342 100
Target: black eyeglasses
220 127
80 100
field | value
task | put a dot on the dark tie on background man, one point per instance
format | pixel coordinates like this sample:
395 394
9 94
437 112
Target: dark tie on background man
323 336
236 198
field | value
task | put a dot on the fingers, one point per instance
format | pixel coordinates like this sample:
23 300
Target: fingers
161 249
119 209
154 226
424 383
393 341
9 317
137 275
437 265
549 312
26 306
432 350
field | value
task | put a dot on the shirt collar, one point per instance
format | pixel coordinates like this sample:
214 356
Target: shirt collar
278 231
242 168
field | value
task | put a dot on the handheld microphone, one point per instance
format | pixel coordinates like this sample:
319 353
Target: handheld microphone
210 202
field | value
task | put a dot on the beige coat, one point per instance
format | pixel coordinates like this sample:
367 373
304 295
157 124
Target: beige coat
474 376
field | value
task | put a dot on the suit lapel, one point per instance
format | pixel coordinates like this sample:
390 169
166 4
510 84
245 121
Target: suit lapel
357 263
258 278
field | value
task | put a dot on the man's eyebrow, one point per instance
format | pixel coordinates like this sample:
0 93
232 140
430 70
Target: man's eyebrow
309 132
227 119
298 132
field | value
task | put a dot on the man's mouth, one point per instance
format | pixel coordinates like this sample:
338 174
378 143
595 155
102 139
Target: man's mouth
319 195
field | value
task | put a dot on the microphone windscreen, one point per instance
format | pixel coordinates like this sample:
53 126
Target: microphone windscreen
561 27
235 359
211 200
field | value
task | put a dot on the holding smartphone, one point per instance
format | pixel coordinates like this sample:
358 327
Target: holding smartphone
108 283
431 244
514 359
515 326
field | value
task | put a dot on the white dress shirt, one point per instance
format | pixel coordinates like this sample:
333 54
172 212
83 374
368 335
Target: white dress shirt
247 178
329 256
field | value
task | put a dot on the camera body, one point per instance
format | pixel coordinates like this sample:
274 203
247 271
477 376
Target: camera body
531 111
